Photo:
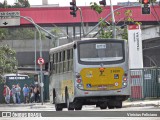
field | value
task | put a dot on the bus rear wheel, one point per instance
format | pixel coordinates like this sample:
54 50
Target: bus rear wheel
118 104
58 106
111 105
69 105
78 106
103 106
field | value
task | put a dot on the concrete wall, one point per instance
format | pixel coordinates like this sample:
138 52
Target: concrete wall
25 50
149 32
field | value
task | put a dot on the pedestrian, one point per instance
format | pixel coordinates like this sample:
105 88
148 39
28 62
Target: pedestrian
18 93
31 90
6 94
26 93
36 94
13 91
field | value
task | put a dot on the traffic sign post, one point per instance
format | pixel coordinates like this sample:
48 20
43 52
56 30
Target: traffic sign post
10 18
40 61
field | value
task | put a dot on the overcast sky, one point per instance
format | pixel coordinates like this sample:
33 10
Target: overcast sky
66 2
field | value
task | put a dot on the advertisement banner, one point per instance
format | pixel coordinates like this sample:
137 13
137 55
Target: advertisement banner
135 47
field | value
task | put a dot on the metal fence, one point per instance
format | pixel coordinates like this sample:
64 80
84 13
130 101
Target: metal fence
145 83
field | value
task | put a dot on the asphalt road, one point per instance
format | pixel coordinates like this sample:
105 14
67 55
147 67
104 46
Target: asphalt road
47 111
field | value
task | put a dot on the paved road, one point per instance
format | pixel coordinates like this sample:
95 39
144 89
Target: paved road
92 111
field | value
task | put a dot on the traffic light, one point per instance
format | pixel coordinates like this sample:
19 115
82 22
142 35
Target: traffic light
73 8
146 7
103 2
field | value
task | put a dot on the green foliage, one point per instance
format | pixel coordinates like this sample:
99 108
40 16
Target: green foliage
7 59
106 30
18 33
104 33
96 7
20 4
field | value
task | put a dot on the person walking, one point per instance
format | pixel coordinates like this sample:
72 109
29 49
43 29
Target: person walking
31 90
6 94
36 93
26 93
13 91
18 93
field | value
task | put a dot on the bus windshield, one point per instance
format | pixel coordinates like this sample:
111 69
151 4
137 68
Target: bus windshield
101 52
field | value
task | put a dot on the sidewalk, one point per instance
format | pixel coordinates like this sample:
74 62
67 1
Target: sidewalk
141 103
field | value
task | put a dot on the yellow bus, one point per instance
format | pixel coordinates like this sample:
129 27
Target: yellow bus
89 72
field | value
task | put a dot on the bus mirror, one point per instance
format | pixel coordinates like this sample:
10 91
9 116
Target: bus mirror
46 66
74 46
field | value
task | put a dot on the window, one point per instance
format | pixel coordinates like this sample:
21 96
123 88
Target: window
107 52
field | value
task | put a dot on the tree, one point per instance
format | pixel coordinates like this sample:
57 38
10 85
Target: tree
105 30
8 60
22 3
19 4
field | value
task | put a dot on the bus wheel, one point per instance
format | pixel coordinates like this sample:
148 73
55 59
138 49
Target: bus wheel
111 105
78 107
70 106
58 106
118 104
54 96
98 105
103 106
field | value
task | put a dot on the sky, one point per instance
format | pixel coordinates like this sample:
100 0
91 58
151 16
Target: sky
67 2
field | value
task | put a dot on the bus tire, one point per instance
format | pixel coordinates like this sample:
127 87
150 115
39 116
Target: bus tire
118 104
103 106
68 104
111 105
58 106
54 96
78 106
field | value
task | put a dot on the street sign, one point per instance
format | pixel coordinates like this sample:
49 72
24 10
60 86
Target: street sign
10 18
40 61
135 47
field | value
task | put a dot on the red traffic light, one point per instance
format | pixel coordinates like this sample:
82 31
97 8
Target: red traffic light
145 1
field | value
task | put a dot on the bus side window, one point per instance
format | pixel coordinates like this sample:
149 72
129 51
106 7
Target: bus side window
71 60
68 59
53 64
63 59
56 63
61 62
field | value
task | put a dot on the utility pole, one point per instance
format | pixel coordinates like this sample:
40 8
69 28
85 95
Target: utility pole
113 21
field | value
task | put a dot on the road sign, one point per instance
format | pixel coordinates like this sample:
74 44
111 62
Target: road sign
10 18
40 61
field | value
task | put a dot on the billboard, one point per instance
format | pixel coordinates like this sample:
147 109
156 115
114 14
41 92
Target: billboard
135 47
